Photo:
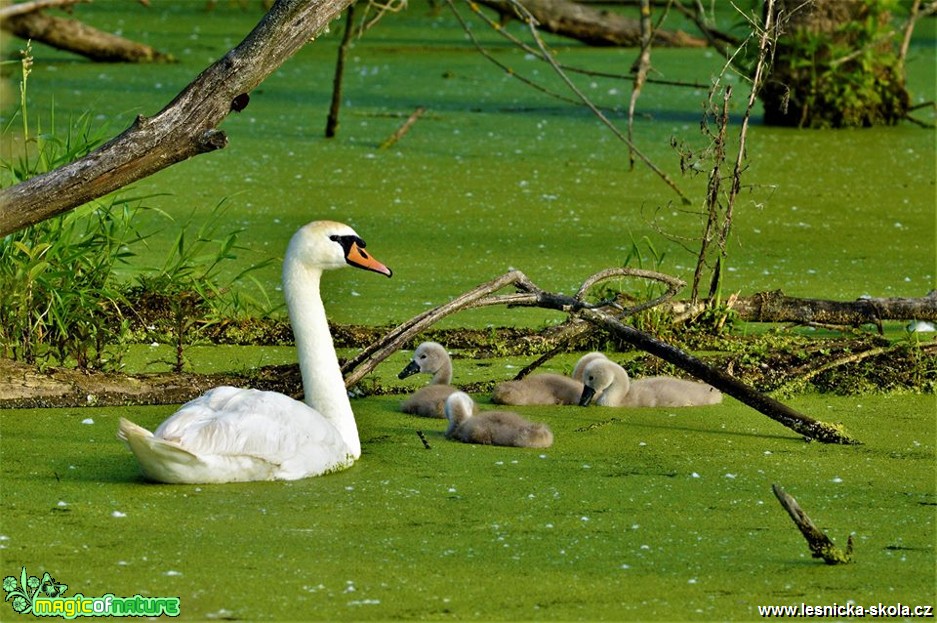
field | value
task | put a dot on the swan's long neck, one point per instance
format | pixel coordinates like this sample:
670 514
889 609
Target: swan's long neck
616 392
323 385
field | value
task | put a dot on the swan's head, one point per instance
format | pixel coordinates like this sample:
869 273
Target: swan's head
326 245
459 407
597 377
428 358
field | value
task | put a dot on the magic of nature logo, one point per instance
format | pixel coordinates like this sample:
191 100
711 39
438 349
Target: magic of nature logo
44 597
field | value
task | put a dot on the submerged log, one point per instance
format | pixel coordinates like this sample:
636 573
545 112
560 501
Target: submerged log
75 36
775 306
589 25
820 545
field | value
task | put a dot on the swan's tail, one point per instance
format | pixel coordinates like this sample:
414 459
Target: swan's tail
160 460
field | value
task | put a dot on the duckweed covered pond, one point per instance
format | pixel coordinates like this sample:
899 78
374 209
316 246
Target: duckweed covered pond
642 515
632 515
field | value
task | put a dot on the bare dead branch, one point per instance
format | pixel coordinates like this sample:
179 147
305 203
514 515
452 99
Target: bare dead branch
820 545
776 307
331 124
530 295
587 24
641 67
186 127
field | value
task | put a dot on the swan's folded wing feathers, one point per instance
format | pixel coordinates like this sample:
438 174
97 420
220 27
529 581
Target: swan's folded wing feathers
265 425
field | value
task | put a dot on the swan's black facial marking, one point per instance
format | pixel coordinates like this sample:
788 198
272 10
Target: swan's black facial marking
355 255
348 242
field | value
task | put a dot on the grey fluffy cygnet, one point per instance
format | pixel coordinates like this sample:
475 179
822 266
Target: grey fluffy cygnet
429 401
546 388
608 383
497 428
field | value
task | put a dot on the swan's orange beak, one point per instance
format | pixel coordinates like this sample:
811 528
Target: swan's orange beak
359 258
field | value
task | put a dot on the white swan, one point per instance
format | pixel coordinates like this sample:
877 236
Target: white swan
230 434
546 388
497 428
608 382
429 401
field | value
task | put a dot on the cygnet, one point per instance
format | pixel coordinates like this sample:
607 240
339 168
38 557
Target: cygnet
498 428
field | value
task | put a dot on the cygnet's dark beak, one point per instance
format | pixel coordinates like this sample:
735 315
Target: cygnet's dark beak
411 369
587 394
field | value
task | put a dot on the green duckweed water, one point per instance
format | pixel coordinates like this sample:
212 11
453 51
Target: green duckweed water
648 514
632 515
496 176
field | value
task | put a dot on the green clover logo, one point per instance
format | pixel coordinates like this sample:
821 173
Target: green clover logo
26 588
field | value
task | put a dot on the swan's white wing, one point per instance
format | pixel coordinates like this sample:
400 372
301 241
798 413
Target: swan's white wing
231 422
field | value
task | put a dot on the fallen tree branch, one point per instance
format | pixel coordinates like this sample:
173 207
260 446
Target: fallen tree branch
820 545
530 295
592 26
74 36
21 8
776 307
777 411
186 127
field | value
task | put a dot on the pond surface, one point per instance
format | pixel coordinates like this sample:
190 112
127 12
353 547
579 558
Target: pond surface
496 175
642 514
633 514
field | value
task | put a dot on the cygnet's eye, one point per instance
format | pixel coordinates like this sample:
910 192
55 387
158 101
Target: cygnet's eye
422 356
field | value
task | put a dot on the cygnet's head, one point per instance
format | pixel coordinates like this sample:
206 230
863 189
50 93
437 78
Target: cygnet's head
428 358
459 407
597 377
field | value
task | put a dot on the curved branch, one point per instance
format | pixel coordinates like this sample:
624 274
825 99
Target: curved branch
186 127
530 295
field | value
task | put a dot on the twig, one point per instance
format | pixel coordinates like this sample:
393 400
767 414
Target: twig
532 27
820 545
403 129
765 59
913 17
422 437
641 66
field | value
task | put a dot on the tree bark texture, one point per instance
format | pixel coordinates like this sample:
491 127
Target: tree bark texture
186 127
835 66
74 36
774 306
591 26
